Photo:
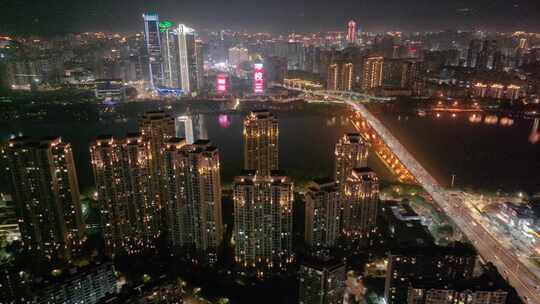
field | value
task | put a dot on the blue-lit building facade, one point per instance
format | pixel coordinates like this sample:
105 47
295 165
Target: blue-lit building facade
152 39
175 60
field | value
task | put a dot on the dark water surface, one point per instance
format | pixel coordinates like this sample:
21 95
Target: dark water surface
483 151
482 155
307 136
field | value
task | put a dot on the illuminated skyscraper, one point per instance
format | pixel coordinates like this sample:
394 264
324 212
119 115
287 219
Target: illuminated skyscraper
122 172
322 211
182 56
332 80
322 282
46 193
372 74
156 128
152 39
261 142
351 152
169 38
340 76
263 220
360 200
190 60
352 34
192 197
347 77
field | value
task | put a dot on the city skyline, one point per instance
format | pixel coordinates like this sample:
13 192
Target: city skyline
175 164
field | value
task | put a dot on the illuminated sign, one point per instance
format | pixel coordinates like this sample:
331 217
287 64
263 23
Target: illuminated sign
224 121
164 25
221 83
258 78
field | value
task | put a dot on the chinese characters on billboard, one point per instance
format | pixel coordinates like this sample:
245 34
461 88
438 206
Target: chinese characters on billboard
221 83
258 78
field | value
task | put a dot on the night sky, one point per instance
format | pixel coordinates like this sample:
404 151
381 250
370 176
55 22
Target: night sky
62 16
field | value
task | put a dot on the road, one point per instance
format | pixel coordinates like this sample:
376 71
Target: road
525 278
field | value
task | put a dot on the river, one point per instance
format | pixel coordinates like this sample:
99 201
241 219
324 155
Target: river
482 155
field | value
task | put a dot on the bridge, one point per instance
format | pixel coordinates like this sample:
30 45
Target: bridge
520 273
340 96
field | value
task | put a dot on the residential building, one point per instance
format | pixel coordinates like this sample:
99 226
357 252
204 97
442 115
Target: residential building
261 133
360 204
351 152
323 214
263 220
46 194
129 211
321 282
372 74
192 197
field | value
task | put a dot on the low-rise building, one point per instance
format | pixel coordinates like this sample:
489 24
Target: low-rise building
321 282
9 227
488 288
110 89
79 285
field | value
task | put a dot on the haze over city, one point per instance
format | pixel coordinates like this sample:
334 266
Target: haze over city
64 16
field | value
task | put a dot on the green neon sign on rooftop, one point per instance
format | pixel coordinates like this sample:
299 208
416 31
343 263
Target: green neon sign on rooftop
164 25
